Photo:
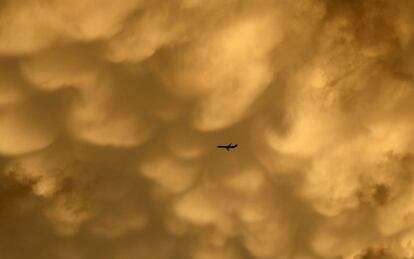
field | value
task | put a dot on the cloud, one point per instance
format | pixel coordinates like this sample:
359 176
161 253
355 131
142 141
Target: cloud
110 114
26 127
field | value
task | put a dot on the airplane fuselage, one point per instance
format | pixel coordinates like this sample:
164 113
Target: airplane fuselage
228 146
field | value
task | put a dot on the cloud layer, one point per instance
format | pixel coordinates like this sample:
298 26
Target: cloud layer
111 111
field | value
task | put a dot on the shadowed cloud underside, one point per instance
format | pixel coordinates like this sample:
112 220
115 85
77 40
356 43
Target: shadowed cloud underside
111 113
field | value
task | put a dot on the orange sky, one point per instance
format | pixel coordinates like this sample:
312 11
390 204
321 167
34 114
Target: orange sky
111 111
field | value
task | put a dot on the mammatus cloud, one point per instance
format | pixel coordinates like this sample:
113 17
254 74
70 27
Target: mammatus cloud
110 112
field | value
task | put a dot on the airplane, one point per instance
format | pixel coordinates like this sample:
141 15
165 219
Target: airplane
228 146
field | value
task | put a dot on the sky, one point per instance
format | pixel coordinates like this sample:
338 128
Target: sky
111 111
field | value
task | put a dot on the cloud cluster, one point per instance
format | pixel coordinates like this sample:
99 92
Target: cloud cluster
111 111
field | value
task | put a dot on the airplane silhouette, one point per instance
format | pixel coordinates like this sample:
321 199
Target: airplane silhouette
228 146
